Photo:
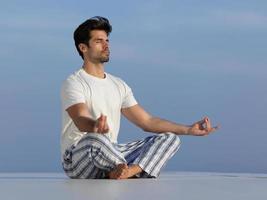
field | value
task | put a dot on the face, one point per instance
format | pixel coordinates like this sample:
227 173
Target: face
98 49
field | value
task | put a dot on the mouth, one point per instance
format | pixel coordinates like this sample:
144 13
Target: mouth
106 52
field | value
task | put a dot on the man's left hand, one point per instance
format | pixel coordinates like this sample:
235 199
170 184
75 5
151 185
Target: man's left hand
202 128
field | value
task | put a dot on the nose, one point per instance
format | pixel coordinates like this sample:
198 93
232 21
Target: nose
106 44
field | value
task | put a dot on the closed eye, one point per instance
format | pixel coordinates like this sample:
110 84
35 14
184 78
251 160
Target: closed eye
101 40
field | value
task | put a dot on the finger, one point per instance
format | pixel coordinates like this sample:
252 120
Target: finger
106 130
105 127
101 124
95 129
207 123
199 124
199 132
217 127
206 132
104 121
204 123
105 118
213 129
101 116
200 121
202 133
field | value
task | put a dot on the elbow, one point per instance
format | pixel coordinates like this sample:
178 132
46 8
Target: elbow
147 125
146 128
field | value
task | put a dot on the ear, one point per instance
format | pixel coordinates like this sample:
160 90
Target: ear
83 47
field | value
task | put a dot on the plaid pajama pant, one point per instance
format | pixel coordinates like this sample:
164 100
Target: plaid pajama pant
95 155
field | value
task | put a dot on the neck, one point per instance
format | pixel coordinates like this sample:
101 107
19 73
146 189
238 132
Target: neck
94 69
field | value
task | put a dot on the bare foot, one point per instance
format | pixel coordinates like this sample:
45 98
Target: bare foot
122 171
119 171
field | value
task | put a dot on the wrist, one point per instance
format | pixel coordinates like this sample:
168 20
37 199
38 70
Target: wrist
92 125
182 130
187 130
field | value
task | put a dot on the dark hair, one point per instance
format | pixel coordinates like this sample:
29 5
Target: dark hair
82 32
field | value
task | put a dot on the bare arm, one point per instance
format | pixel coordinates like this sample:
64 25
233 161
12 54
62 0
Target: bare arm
81 118
148 123
158 125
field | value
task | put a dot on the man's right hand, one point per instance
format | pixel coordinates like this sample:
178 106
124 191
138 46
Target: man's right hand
101 125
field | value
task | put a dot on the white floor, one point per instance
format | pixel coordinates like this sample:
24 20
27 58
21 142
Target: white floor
170 185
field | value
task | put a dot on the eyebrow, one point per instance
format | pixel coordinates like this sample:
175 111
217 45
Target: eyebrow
101 39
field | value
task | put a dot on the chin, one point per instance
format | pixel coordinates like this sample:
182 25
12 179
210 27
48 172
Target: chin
103 60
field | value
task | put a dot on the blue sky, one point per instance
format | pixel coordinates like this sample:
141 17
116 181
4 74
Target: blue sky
183 59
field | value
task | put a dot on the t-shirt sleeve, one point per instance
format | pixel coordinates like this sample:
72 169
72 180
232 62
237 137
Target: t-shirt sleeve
128 97
72 92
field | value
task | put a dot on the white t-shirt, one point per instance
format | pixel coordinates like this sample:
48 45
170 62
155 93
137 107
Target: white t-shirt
106 96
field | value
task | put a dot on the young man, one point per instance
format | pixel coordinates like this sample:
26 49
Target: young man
92 103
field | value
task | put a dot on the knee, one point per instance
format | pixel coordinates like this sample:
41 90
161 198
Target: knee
175 140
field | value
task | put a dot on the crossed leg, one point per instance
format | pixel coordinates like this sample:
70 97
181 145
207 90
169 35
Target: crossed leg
95 156
123 171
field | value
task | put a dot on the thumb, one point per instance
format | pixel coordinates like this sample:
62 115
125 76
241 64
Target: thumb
101 117
104 117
